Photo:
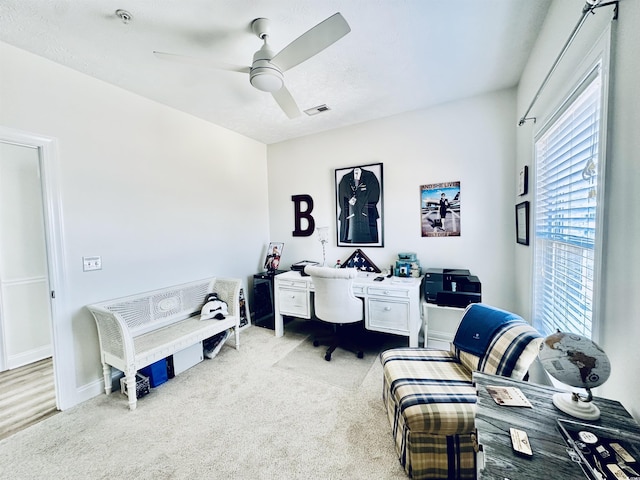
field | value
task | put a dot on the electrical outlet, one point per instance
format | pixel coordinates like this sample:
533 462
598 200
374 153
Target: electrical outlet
91 263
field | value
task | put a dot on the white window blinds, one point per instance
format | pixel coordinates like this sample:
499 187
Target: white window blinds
565 223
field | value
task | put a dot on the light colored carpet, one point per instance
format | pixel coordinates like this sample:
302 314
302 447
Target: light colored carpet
345 369
237 416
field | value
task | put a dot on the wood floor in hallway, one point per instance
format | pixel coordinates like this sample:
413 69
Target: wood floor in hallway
27 396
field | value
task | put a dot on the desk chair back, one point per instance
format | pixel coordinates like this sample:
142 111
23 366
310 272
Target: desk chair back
334 300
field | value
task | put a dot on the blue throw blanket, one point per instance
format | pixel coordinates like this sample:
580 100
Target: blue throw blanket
478 326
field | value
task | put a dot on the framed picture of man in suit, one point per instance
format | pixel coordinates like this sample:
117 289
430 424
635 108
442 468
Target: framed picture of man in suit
359 206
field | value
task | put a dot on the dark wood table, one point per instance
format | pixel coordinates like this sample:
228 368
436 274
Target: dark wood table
496 460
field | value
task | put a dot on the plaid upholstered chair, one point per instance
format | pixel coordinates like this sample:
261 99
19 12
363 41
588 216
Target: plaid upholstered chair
429 397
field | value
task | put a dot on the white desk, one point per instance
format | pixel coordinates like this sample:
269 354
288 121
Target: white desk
390 306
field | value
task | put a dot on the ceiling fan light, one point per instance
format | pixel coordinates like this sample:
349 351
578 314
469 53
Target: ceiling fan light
267 80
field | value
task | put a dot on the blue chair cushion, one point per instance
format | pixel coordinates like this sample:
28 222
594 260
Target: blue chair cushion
479 326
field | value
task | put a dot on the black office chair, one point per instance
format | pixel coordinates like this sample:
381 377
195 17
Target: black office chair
336 304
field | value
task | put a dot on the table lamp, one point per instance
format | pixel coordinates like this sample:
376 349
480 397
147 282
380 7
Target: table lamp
579 362
323 238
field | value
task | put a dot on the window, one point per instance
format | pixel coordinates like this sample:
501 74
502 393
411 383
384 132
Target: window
566 224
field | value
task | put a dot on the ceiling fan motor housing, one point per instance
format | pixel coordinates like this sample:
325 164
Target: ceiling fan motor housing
264 75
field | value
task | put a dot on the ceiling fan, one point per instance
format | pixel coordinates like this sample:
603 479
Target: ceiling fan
267 68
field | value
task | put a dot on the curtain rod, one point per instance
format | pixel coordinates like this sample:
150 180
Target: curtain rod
589 7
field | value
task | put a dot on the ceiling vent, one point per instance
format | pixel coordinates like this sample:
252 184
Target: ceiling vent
123 15
317 110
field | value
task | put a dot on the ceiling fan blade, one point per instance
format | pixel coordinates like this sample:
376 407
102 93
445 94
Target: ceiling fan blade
312 42
201 62
286 102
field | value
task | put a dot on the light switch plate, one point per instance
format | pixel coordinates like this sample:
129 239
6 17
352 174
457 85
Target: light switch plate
91 263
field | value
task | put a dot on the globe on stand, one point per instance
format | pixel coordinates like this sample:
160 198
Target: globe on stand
579 362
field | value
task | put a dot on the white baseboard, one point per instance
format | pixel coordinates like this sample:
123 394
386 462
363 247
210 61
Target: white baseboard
88 391
30 356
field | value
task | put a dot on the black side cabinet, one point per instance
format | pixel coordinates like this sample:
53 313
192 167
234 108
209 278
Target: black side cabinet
263 305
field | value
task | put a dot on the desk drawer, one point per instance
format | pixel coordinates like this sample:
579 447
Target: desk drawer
388 292
292 283
294 302
358 290
388 316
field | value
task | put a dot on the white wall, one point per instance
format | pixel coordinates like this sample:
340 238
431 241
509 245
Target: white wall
163 197
470 141
621 277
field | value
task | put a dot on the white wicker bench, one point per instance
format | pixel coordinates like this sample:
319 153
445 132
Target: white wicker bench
138 330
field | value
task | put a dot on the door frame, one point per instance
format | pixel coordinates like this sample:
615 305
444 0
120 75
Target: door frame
61 333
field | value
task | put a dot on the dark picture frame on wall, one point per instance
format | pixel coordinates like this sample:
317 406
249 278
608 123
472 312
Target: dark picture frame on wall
359 206
522 223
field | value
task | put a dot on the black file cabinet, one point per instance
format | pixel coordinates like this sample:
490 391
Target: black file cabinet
263 304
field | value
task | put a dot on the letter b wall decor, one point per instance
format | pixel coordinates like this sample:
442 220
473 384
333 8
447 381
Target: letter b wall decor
300 215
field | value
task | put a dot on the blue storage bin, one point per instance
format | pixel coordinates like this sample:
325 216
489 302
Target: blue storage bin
157 372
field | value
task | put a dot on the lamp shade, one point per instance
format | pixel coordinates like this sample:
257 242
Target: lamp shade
323 234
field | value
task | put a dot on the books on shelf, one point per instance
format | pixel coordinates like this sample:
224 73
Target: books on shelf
508 396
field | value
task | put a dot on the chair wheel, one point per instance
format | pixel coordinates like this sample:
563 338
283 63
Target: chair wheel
360 354
327 357
316 343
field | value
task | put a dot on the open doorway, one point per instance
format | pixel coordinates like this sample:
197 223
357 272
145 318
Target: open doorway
25 314
30 256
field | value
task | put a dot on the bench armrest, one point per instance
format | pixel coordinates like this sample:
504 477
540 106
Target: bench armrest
228 290
113 334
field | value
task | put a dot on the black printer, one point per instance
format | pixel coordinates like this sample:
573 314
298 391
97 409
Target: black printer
451 287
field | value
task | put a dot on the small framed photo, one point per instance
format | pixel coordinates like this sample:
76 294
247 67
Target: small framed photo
523 181
274 252
522 223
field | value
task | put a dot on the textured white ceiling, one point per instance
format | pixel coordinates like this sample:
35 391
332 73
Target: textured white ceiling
401 55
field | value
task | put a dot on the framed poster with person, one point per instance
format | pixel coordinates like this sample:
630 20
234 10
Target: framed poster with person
440 213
